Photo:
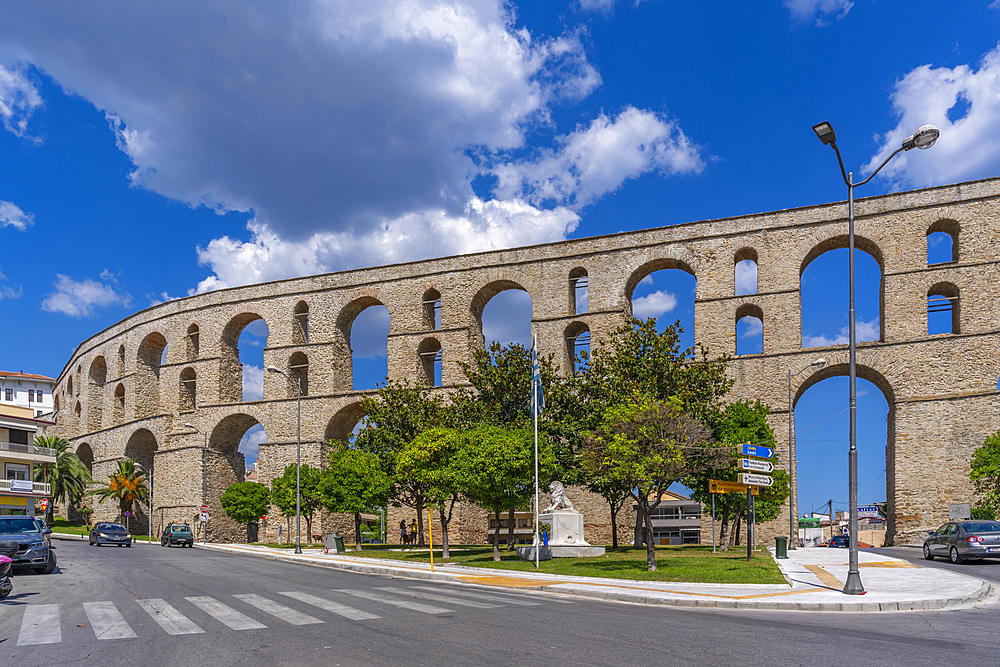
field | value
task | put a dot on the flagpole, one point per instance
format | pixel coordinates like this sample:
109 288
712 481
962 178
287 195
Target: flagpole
534 409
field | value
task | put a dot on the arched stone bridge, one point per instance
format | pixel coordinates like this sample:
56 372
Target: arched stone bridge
114 398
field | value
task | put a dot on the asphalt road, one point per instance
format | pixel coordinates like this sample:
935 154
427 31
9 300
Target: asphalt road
154 606
988 568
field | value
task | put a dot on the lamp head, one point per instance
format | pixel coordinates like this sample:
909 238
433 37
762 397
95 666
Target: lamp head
819 362
923 138
825 132
273 369
190 426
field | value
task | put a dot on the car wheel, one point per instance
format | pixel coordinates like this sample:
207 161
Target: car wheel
927 553
956 558
49 567
129 545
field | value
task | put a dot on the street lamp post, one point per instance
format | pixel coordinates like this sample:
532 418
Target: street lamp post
298 455
204 475
923 138
793 500
149 497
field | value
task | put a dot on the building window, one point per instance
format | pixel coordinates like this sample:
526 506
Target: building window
8 394
38 396
31 396
17 471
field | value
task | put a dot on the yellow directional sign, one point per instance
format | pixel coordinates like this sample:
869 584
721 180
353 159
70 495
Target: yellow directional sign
722 486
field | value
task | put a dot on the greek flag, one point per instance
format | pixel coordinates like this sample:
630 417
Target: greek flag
537 394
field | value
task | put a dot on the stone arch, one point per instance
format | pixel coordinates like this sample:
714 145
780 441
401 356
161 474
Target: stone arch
298 373
69 385
77 410
478 305
118 407
230 368
431 309
579 291
575 336
943 298
652 266
188 397
750 310
141 447
225 465
300 323
345 322
95 395
147 385
429 355
745 267
85 453
192 342
121 360
946 226
55 404
342 424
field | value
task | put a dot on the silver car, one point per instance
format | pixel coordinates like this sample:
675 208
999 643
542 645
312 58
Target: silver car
964 540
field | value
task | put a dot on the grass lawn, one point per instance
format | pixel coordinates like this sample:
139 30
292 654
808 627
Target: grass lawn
690 563
64 526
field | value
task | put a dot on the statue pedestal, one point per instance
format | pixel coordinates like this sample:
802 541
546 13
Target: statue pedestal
566 535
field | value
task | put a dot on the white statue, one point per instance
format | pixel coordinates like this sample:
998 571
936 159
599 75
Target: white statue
560 503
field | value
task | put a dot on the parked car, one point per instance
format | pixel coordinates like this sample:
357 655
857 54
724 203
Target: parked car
177 533
964 540
840 541
32 538
110 533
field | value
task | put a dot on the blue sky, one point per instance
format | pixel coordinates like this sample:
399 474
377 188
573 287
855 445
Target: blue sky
151 152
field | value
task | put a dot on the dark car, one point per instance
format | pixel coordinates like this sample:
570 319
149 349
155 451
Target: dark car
840 542
32 539
177 533
110 533
964 540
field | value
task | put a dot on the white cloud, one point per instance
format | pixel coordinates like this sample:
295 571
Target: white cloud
350 132
804 11
250 443
369 333
12 216
18 100
866 331
507 318
7 292
653 304
595 160
969 146
78 299
253 383
754 327
602 6
995 4
648 280
746 277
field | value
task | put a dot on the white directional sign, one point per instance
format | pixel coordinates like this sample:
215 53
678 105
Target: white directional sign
868 511
755 480
756 466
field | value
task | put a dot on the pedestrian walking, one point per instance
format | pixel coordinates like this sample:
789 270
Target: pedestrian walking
402 531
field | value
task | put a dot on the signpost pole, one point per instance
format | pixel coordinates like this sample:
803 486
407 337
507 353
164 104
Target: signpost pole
713 522
749 501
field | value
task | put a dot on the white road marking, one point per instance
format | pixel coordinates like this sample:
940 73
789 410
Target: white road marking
225 614
40 625
172 621
405 604
106 621
271 607
439 598
331 606
483 596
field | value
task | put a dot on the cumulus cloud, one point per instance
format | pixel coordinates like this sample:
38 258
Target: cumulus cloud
963 103
12 216
754 327
866 331
818 11
79 298
250 444
18 100
746 277
8 292
654 304
351 133
253 383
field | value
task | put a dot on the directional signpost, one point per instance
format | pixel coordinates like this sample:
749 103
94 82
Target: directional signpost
753 479
757 450
750 465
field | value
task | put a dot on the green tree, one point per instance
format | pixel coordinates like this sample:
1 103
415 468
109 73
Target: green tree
67 475
353 482
648 445
985 472
246 502
400 412
432 459
497 468
125 485
283 494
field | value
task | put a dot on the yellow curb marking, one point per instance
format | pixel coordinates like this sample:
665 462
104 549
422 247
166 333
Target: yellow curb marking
825 577
886 563
512 582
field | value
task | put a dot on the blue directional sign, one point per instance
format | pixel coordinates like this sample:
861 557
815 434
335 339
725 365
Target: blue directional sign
757 450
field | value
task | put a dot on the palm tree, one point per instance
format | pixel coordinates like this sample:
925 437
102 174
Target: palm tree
68 475
124 486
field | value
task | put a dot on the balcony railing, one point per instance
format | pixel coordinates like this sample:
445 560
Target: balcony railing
21 486
26 449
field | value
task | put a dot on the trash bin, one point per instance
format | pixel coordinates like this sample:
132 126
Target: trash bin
781 547
334 542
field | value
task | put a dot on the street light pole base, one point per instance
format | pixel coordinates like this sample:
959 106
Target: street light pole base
298 549
854 585
792 547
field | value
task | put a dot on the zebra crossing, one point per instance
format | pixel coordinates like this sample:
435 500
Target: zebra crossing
42 623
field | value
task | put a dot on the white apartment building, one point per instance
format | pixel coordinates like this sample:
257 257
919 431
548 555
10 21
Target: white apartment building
18 457
27 390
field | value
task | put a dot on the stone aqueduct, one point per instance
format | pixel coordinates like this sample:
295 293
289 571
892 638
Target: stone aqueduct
115 399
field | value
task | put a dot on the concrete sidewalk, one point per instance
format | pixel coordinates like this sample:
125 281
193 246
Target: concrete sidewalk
815 577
